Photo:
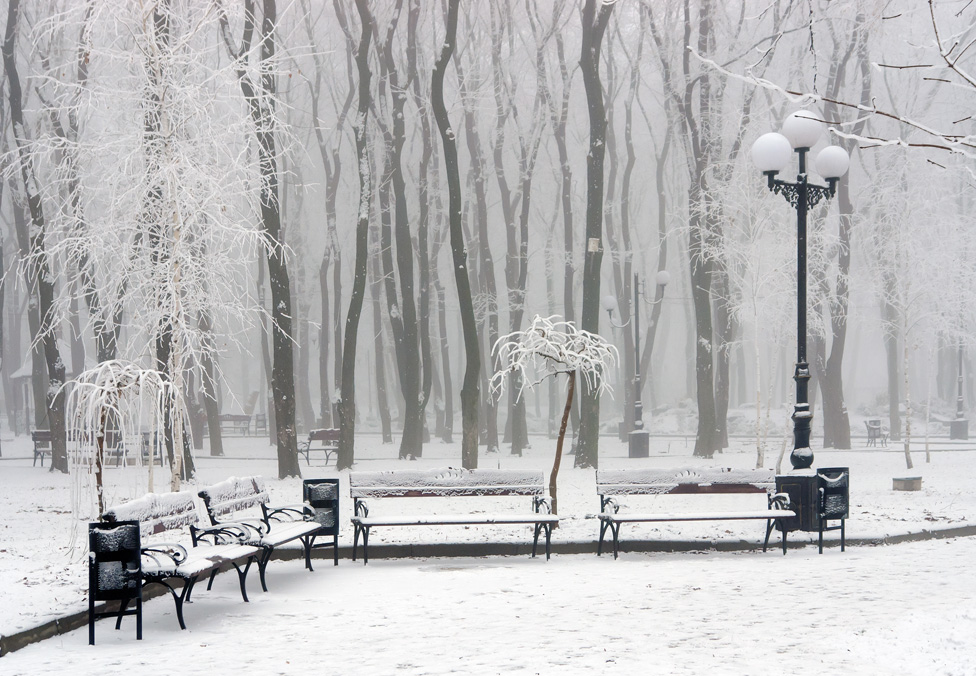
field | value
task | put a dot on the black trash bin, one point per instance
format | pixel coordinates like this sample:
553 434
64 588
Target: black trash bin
114 573
322 496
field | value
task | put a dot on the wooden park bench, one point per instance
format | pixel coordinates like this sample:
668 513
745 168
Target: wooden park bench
161 518
232 423
450 483
42 445
876 433
325 440
611 484
243 502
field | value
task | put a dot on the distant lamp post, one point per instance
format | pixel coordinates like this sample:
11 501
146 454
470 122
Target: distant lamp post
638 441
771 153
959 428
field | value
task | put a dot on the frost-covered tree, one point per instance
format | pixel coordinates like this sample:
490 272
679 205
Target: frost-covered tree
159 216
545 349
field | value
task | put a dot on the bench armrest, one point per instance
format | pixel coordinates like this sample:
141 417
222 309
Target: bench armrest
290 512
176 553
609 505
779 501
542 504
226 533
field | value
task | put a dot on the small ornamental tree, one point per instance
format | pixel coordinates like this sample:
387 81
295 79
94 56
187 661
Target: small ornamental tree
548 348
123 398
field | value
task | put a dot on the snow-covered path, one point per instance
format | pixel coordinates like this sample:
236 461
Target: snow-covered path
905 609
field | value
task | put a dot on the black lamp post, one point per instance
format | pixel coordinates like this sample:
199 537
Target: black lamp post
638 441
771 153
959 428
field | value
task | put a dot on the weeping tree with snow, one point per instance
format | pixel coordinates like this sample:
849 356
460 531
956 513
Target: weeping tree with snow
546 349
121 398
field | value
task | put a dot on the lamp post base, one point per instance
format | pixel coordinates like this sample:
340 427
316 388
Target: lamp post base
801 458
638 444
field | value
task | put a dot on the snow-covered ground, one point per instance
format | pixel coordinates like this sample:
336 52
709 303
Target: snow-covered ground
906 608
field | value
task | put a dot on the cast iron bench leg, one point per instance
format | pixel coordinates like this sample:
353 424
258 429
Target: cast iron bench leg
365 545
263 566
307 542
242 576
603 531
769 529
355 540
180 598
335 549
548 540
535 538
615 529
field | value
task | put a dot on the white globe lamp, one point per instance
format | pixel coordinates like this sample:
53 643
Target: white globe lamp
802 129
663 278
832 162
771 153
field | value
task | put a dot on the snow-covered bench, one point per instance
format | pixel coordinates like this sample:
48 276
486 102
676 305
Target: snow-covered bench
211 549
243 502
327 440
450 483
613 483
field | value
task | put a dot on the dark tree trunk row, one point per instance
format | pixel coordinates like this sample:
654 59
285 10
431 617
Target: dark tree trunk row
596 15
470 384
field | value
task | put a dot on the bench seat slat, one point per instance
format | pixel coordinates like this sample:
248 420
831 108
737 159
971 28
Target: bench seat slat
199 560
286 531
455 520
699 516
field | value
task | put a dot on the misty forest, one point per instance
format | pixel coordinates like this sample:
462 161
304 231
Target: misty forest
332 214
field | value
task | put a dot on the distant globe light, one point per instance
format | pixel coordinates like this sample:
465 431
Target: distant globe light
832 162
609 302
663 278
771 152
802 129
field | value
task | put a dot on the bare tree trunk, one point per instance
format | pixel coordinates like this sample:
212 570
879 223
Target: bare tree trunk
559 441
375 288
469 387
39 267
347 403
262 115
423 229
596 15
209 382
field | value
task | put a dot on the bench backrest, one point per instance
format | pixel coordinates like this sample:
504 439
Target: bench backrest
446 482
157 512
233 495
329 435
683 480
41 438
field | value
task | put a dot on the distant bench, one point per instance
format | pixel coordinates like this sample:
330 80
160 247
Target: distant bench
231 423
42 445
324 440
453 483
611 484
876 433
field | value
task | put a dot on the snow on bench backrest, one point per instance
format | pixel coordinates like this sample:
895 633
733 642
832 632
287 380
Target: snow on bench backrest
234 494
661 481
445 482
157 512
